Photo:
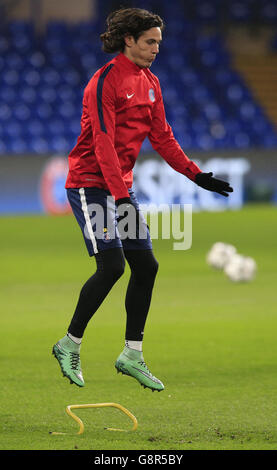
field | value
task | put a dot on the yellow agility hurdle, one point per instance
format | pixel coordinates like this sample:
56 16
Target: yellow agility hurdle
98 405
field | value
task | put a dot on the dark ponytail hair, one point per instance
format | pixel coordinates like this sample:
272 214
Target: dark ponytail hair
132 21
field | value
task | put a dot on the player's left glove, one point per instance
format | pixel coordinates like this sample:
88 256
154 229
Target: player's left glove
206 181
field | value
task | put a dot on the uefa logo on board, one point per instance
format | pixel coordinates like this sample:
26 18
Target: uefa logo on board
52 186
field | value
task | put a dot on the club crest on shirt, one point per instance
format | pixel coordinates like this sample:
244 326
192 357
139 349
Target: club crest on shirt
106 236
151 95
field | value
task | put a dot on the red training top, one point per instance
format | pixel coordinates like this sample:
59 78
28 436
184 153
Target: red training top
122 105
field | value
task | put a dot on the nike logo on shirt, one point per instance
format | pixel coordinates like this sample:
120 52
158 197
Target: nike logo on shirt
130 96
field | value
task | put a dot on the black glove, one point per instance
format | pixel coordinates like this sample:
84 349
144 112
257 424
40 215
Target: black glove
126 202
206 181
123 200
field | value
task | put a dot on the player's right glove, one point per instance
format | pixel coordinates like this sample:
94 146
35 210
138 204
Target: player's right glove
123 205
123 200
206 181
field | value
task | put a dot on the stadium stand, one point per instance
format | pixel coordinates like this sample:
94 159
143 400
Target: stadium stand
210 101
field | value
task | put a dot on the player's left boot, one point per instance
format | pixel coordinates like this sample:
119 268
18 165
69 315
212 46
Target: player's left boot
130 362
67 354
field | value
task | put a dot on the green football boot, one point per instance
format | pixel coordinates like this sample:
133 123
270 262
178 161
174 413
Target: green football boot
67 354
130 362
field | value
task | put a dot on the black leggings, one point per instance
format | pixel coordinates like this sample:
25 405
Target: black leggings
110 267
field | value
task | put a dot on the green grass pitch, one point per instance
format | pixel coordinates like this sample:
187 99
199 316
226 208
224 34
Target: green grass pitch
212 342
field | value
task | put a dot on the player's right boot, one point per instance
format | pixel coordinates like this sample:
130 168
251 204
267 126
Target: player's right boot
67 354
131 362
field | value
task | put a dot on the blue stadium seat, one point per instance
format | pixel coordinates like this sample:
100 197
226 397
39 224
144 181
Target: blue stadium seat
21 112
38 145
30 77
207 11
240 11
11 77
34 128
47 94
5 112
212 111
13 129
27 95
21 27
269 11
16 145
7 94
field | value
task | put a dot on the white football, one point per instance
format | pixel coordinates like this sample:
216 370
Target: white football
219 254
240 268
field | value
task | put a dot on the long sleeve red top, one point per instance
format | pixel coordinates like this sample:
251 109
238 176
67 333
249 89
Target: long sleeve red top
122 105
